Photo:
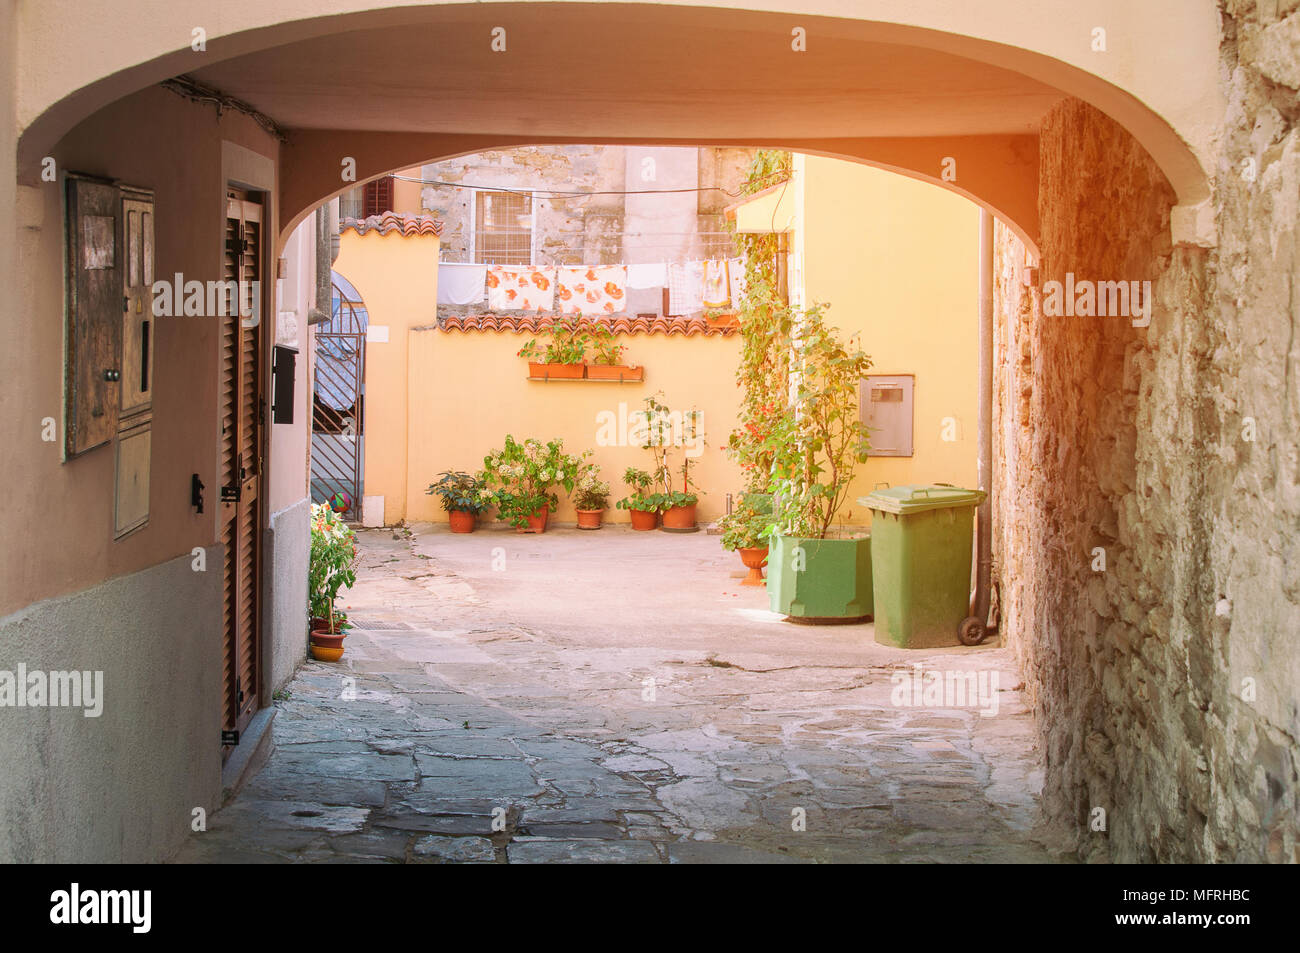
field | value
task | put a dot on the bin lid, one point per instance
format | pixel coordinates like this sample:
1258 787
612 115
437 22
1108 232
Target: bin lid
921 496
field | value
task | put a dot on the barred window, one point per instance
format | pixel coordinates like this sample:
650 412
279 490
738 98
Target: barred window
503 229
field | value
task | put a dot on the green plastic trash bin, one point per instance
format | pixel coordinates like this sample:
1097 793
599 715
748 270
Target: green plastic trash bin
921 559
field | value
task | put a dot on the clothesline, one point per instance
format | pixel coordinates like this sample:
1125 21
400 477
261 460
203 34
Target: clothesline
693 286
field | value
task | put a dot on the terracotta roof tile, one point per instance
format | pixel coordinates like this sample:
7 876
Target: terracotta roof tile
619 324
408 225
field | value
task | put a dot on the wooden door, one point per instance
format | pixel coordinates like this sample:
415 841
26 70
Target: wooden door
240 406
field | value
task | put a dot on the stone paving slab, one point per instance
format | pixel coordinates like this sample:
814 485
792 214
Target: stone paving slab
620 699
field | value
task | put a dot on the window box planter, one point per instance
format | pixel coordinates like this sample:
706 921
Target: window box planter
820 580
615 372
556 372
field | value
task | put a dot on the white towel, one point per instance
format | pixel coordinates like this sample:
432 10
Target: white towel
460 283
647 276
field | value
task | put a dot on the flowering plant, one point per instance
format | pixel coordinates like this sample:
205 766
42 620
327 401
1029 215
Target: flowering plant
461 492
590 492
522 476
745 527
332 566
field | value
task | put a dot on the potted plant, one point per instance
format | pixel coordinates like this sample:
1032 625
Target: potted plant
331 568
607 364
590 498
563 357
744 530
641 504
817 439
463 497
521 477
661 431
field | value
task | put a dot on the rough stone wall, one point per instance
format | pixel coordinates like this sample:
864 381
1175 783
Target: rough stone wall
564 226
1167 686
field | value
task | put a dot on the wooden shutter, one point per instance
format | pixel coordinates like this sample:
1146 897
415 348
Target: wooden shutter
94 299
377 197
241 446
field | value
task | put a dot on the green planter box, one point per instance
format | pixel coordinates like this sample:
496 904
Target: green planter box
820 580
921 551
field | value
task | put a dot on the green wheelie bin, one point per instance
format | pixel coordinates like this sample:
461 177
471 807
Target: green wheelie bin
921 561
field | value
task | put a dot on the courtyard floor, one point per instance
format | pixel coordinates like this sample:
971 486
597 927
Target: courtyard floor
619 696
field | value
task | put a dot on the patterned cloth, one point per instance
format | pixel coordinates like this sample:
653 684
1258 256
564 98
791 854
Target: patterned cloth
717 292
520 288
686 288
596 289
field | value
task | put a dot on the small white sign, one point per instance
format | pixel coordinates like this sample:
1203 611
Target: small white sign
377 334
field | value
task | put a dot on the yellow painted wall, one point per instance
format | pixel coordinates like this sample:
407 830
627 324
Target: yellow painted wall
397 277
898 261
406 195
469 389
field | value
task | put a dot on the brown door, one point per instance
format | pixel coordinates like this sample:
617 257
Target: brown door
240 409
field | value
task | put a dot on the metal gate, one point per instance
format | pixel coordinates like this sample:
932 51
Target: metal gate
338 404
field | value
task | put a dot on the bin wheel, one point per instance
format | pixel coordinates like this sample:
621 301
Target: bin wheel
971 631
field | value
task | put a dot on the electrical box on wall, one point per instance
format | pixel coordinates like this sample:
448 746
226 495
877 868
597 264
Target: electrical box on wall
284 361
886 408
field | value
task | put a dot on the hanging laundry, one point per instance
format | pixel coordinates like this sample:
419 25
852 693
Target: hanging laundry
647 276
520 288
736 280
716 290
594 289
686 288
645 300
460 283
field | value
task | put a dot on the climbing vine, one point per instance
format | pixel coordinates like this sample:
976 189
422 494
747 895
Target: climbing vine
765 326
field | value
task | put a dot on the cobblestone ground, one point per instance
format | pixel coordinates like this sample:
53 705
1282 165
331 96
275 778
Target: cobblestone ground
618 696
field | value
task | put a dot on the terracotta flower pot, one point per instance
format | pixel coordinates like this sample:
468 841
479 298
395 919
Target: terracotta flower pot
462 522
589 519
614 372
680 517
754 558
557 371
327 646
644 519
536 522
